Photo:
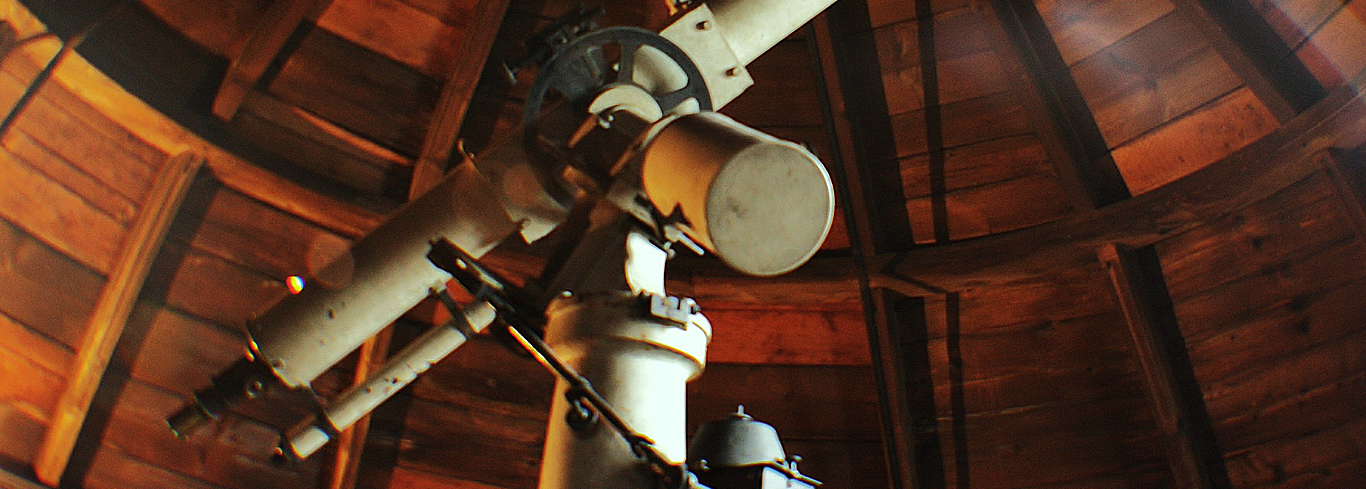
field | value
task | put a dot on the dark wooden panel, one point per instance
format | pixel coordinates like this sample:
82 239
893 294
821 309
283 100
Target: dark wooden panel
840 463
462 442
762 336
783 76
978 165
836 403
44 289
1325 459
975 120
359 90
208 287
1298 220
993 208
1300 323
1083 28
426 39
968 62
1052 445
323 148
255 236
1059 295
1269 402
221 27
1157 74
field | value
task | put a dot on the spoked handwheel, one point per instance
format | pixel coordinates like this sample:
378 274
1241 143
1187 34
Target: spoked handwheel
583 69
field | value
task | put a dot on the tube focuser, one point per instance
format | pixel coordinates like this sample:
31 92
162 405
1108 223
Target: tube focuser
307 437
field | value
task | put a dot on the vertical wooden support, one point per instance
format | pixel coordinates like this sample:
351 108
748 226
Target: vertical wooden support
1254 51
1056 107
1177 401
278 24
869 188
428 170
111 312
351 441
456 95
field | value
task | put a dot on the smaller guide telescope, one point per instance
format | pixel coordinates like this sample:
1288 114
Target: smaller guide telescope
630 138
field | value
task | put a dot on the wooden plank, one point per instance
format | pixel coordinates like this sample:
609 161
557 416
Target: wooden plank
456 95
1059 112
31 272
838 403
277 25
1159 73
990 209
362 91
423 38
111 311
104 105
1253 49
987 118
1178 403
1083 28
762 336
63 220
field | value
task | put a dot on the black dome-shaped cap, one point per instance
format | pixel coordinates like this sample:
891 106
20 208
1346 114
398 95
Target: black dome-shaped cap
735 441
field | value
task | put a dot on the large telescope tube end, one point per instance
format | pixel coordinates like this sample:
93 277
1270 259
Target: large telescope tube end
763 205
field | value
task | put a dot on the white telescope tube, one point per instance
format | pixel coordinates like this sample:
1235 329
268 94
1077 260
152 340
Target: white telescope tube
307 437
382 276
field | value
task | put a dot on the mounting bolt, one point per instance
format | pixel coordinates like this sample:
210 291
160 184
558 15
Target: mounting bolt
733 71
704 25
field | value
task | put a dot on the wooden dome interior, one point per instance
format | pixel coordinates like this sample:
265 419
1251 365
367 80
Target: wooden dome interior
1084 244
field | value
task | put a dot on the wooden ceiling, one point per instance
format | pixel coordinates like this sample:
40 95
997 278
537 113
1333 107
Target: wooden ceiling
1083 244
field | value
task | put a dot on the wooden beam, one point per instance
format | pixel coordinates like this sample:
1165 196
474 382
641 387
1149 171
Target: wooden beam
111 312
430 165
277 25
351 442
1254 51
1285 156
1177 401
16 481
1056 107
869 177
1348 170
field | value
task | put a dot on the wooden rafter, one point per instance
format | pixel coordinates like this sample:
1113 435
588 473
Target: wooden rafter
455 99
428 170
1056 107
1256 53
277 25
112 309
870 180
1177 401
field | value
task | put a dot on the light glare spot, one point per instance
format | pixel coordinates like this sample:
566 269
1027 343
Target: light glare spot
295 284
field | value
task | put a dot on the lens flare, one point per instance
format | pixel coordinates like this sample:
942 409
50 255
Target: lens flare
295 284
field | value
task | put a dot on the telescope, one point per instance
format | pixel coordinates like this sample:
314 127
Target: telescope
619 126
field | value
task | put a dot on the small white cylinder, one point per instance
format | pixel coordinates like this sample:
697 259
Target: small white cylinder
401 369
